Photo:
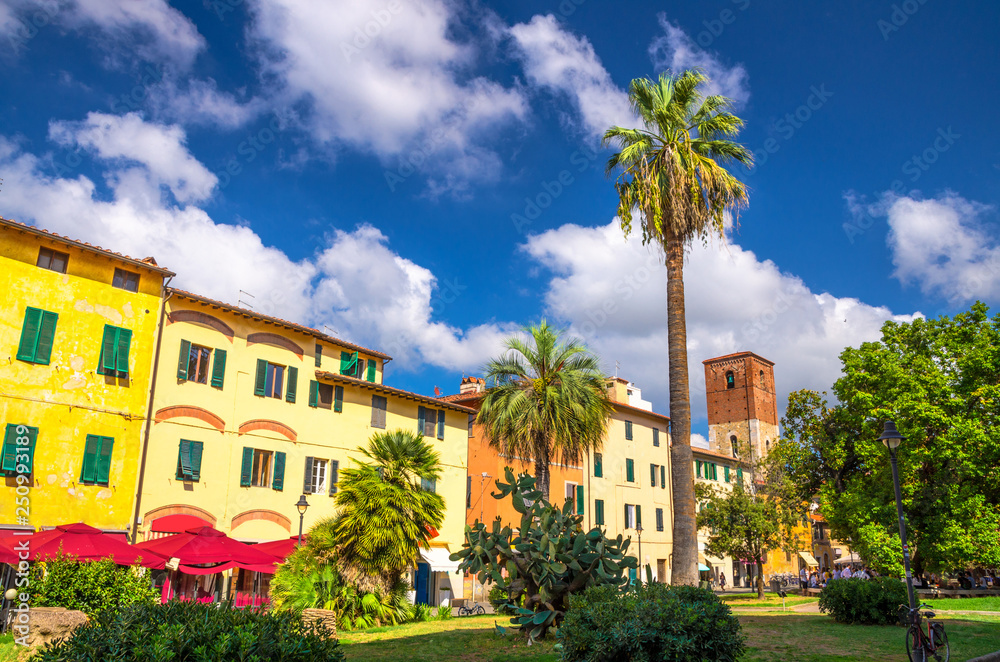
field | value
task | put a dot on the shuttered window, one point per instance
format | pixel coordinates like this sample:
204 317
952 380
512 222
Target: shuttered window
334 476
379 404
628 430
349 363
663 476
219 368
739 475
189 460
726 472
598 465
652 474
316 476
269 379
114 351
278 481
37 335
97 460
599 511
468 492
293 384
629 471
430 422
697 468
319 354
659 519
370 376
18 451
579 499
338 398
262 468
656 436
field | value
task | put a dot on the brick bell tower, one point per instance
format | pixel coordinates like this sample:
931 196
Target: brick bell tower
742 405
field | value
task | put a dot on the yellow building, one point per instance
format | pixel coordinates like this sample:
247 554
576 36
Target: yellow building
250 412
721 471
78 329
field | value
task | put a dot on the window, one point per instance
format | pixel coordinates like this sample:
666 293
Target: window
321 395
189 460
633 516
735 444
472 421
761 377
37 334
788 556
126 280
270 377
730 380
317 477
18 449
599 512
629 471
656 436
198 360
598 465
428 484
193 364
726 471
574 492
319 354
114 351
652 474
338 398
713 471
739 475
334 476
350 365
767 445
52 260
379 404
659 519
628 430
697 468
262 468
96 460
370 373
663 476
468 492
430 421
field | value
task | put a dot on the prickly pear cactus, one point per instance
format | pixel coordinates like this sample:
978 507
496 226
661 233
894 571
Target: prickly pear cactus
547 559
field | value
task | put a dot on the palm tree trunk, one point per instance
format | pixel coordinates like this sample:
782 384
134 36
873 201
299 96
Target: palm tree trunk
684 568
542 468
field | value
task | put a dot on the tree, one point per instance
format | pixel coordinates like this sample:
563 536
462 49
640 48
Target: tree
549 400
756 515
939 380
669 171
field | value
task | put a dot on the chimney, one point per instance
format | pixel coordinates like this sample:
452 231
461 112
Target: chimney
472 385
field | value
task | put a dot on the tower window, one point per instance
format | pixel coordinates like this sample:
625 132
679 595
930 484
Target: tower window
730 380
735 445
767 445
762 377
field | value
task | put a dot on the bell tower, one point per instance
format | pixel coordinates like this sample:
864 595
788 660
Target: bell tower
742 405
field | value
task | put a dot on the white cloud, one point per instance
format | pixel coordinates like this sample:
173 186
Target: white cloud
386 77
150 28
201 102
353 282
563 63
612 293
941 245
676 51
128 138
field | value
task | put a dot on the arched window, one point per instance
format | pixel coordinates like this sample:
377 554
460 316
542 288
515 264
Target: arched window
735 445
730 380
767 445
762 377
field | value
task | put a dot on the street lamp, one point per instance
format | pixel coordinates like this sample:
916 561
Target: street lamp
638 529
301 505
891 438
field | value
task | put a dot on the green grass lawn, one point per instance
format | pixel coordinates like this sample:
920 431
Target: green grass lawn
748 601
793 637
966 604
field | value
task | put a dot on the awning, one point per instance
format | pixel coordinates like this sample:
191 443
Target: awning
850 558
437 559
809 559
177 523
703 568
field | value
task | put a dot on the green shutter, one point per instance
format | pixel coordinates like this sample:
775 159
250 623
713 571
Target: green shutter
196 449
313 393
183 359
219 368
440 424
579 499
371 370
697 471
421 419
652 474
104 461
307 481
628 430
725 472
293 384
319 354
261 380
108 344
26 349
247 470
739 475
333 477
626 515
338 398
9 448
599 511
663 476
656 436
629 471
90 450
348 363
638 516
598 465
46 334
121 351
278 482
184 459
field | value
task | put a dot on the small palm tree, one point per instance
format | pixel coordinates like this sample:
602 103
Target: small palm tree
549 399
386 509
669 170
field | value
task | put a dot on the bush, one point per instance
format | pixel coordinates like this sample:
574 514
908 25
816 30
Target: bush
192 632
863 601
498 598
421 613
90 587
651 622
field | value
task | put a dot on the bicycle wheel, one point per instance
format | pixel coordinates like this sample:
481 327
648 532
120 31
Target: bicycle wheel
939 639
480 610
464 611
914 644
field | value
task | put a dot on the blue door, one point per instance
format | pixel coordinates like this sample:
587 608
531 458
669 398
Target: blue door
423 583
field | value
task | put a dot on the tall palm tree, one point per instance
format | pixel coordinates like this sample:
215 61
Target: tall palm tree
386 508
669 171
549 400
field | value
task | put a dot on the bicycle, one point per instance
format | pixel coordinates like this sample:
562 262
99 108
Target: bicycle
921 646
471 610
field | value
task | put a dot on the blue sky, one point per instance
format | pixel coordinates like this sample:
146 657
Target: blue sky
424 176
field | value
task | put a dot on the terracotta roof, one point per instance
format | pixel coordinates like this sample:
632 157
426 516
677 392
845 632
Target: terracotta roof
382 388
147 263
278 321
468 397
460 397
640 410
702 451
738 354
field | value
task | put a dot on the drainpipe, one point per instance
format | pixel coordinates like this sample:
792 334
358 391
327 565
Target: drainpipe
149 414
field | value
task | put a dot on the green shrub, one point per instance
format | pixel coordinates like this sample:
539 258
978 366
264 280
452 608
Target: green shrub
421 613
90 587
445 614
650 622
863 601
192 632
498 598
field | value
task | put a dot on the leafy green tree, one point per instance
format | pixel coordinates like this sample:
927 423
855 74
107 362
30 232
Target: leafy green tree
549 400
939 380
671 171
91 587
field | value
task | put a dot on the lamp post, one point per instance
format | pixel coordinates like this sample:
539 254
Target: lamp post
638 529
891 438
301 505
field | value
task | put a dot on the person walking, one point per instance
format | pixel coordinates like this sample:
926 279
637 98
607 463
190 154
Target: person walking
722 580
802 578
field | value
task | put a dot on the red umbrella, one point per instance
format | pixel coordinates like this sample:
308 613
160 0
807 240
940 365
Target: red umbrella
280 548
82 542
205 545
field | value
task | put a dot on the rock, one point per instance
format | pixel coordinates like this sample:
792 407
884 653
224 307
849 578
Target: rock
321 616
50 623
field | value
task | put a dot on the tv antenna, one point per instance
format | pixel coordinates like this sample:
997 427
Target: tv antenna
241 302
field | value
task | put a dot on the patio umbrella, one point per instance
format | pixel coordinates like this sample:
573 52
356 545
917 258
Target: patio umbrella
205 545
83 542
280 548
